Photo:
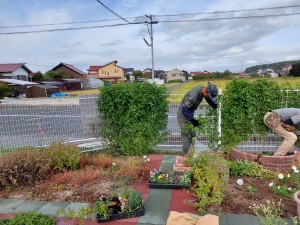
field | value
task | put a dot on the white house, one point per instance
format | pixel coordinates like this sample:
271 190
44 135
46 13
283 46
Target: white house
175 74
15 71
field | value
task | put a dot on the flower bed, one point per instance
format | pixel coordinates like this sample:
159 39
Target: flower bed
169 179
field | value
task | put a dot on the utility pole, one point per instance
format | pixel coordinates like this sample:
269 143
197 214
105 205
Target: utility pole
151 41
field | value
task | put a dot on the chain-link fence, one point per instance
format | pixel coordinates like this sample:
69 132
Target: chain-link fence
41 121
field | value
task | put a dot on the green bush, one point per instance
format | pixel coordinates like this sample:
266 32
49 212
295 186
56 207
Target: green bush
249 169
244 104
30 218
64 156
211 173
23 168
4 90
175 81
134 200
133 117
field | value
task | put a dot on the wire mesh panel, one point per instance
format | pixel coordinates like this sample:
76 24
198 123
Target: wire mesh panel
39 122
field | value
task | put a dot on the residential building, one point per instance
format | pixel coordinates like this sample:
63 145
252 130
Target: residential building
70 70
15 71
108 72
269 72
285 71
175 74
195 73
157 73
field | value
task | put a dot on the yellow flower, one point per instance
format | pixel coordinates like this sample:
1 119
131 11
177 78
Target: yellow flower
160 176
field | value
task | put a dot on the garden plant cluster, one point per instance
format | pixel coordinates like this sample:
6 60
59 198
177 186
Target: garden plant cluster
170 177
62 168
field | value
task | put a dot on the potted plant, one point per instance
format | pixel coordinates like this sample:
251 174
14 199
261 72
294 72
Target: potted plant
169 179
127 205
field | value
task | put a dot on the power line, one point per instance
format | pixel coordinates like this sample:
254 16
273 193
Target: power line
112 11
227 11
161 21
228 18
169 15
54 24
67 29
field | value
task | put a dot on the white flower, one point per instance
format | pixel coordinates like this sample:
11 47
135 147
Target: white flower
296 171
148 159
271 184
113 164
288 175
240 181
280 176
144 157
294 168
289 188
278 187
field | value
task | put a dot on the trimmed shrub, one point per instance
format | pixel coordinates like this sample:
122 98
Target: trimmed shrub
133 117
23 168
64 156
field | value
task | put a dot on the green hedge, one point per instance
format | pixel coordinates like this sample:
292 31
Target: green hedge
133 117
244 104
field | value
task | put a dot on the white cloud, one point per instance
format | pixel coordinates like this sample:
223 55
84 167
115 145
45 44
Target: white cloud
212 45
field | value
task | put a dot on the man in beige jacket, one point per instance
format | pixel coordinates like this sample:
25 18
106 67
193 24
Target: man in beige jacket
283 122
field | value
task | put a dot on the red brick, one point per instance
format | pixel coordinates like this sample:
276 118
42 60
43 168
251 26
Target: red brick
240 155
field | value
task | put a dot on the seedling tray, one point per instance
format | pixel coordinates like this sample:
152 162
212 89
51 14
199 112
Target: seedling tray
168 186
124 215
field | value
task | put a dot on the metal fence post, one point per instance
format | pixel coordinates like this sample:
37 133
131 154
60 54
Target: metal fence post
219 119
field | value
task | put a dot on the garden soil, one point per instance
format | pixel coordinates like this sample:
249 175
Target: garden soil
237 198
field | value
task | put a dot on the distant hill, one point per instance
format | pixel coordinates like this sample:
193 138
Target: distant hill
275 66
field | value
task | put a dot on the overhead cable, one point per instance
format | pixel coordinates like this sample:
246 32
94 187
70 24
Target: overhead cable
228 11
228 18
66 29
112 11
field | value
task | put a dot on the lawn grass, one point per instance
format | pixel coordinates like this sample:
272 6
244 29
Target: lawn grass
177 93
221 83
84 92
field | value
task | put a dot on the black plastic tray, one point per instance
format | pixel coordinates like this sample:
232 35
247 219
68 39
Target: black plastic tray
168 186
119 216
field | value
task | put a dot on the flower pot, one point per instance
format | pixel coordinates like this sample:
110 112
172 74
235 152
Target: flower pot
296 198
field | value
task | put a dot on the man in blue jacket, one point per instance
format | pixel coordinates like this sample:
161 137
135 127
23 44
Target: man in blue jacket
188 106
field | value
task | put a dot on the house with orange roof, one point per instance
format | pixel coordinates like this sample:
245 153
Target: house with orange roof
109 72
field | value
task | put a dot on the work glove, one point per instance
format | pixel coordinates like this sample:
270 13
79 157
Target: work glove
195 122
211 103
288 127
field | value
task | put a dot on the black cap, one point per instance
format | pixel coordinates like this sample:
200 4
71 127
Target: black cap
212 91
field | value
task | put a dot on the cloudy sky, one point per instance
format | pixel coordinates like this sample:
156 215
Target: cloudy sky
190 35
